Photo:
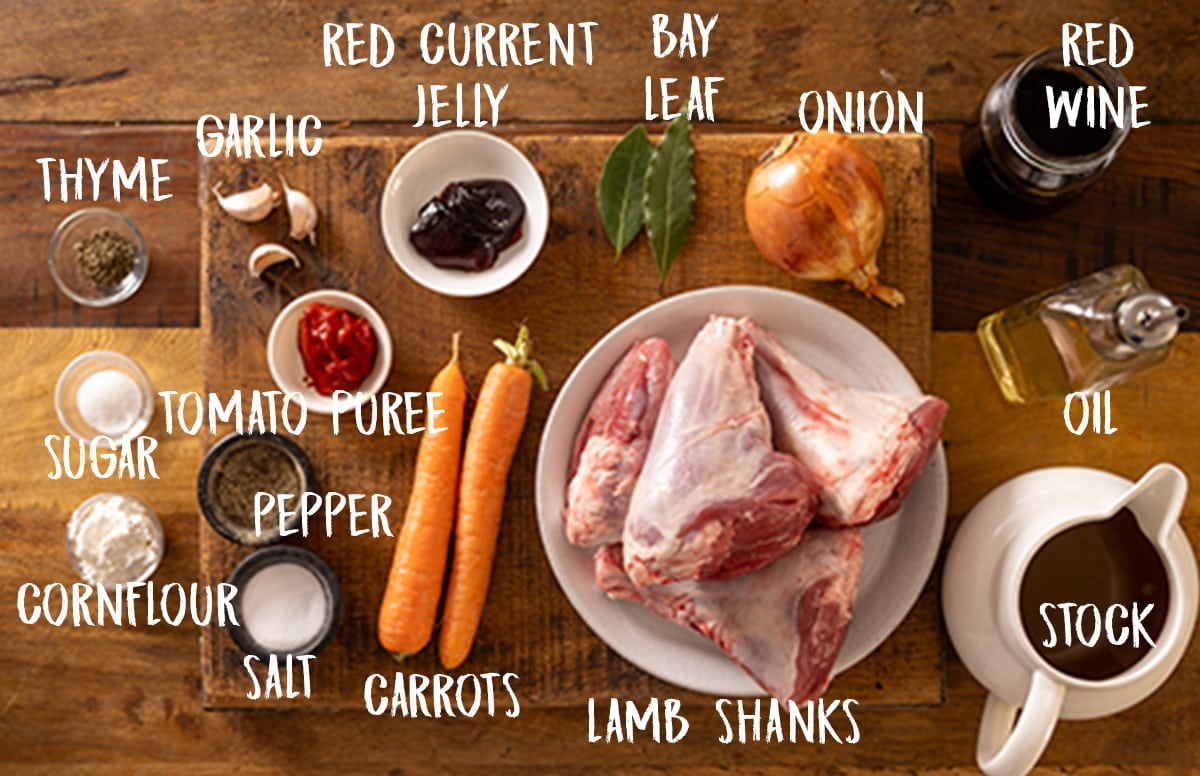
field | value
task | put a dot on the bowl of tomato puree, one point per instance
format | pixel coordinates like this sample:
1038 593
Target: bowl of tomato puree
327 341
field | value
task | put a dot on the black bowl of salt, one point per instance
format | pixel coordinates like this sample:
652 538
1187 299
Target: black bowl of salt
288 602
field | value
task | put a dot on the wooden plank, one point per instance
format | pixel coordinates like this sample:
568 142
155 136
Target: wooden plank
1143 210
120 700
988 441
28 295
570 298
57 68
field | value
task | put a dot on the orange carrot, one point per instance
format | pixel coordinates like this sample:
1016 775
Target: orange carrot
492 440
414 584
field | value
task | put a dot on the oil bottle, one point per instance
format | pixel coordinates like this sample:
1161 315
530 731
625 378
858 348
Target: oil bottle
1085 336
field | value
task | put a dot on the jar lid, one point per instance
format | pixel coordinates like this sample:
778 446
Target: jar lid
1149 320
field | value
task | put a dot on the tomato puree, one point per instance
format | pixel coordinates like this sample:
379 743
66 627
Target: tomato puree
338 348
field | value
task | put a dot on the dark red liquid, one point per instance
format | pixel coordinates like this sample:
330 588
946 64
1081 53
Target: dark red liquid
468 224
993 186
1034 115
1004 189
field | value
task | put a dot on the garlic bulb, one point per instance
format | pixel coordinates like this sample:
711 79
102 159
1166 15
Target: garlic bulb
268 255
250 205
302 213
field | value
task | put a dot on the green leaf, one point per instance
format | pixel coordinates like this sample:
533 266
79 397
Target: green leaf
619 193
670 194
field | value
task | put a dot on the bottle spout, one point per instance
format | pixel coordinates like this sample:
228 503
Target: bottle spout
1149 320
1175 316
1156 500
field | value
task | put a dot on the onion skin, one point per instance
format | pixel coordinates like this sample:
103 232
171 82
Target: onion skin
815 208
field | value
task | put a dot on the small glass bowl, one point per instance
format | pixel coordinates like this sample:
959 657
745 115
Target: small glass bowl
66 395
65 267
133 504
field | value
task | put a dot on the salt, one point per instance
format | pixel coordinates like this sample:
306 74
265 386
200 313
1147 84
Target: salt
284 606
110 401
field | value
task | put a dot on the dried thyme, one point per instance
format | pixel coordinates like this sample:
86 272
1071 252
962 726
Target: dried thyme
104 257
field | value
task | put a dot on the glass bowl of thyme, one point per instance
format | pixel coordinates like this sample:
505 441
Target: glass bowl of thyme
98 257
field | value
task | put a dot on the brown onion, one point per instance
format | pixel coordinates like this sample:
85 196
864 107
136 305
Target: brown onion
815 208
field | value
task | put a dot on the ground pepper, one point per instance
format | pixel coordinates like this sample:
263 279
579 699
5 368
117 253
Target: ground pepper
243 471
104 257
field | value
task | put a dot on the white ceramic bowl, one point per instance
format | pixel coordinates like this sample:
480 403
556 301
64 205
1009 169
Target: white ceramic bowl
462 155
899 553
287 366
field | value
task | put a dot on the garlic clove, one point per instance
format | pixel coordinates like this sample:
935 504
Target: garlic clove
302 213
250 205
268 255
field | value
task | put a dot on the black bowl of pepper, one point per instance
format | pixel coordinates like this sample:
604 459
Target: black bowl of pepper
241 466
98 257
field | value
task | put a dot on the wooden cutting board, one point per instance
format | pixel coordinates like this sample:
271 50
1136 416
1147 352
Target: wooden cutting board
570 298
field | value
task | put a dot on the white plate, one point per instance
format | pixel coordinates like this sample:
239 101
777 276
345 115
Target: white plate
899 552
424 171
287 365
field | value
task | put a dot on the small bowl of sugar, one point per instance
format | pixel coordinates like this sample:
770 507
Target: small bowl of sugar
288 602
103 393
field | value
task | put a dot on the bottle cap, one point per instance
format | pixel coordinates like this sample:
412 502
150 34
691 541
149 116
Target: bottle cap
1149 320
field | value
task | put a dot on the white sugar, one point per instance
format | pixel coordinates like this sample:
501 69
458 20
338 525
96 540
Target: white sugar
110 401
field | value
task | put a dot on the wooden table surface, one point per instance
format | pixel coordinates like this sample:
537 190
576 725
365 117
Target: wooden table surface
570 298
130 79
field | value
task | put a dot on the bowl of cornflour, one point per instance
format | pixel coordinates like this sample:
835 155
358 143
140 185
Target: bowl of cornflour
114 539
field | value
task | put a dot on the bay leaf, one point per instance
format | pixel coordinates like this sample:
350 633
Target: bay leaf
620 190
670 193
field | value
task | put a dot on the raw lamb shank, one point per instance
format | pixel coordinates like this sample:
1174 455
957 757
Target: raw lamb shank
611 445
714 499
783 624
864 449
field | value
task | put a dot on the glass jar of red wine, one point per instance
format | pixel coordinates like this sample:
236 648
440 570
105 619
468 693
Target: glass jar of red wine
1012 157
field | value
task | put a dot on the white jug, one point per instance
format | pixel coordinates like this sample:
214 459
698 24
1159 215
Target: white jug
980 602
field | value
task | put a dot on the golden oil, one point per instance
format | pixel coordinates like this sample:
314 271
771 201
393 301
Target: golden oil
1085 336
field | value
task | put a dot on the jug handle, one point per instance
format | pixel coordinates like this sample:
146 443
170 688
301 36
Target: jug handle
1005 750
